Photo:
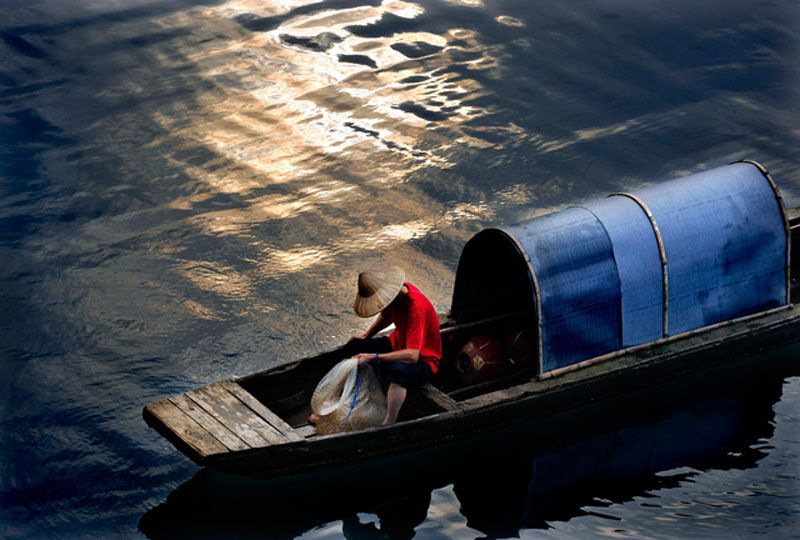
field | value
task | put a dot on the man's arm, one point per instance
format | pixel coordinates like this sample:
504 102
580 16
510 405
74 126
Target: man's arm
414 340
408 356
377 325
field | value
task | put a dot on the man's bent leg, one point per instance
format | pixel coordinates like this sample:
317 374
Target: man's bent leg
401 376
394 401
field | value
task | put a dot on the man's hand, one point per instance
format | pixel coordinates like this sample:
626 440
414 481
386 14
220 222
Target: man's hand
361 336
364 358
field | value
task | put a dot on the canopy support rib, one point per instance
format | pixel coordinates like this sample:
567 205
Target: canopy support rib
763 170
661 253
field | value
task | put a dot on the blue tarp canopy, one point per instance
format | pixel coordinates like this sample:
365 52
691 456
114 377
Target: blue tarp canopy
634 267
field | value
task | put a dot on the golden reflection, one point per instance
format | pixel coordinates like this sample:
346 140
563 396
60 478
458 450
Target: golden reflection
171 302
467 3
596 133
304 100
278 262
588 134
313 121
215 278
518 194
469 212
290 261
238 221
198 310
508 20
607 531
256 7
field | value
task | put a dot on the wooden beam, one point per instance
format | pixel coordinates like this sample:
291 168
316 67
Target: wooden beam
441 401
456 326
793 215
234 415
270 417
694 342
231 441
189 431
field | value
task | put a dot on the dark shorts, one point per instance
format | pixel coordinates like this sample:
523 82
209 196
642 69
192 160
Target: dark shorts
406 375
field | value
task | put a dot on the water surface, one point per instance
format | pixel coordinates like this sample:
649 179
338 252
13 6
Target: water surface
189 188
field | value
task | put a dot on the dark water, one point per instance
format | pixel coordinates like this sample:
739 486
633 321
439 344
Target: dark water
189 188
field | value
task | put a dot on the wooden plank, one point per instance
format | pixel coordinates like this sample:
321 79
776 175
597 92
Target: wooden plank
273 419
427 399
445 402
234 415
456 326
689 344
793 215
231 441
306 431
189 431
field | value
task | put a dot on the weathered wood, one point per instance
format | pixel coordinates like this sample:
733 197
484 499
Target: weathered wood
209 423
427 400
793 215
454 325
650 346
429 393
235 415
270 417
690 344
306 431
297 399
466 392
189 431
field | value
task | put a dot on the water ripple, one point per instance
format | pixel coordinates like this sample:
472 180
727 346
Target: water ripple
189 186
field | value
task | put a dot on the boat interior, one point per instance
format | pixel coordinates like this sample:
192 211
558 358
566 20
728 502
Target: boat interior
287 390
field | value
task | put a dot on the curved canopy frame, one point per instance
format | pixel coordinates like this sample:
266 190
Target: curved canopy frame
634 267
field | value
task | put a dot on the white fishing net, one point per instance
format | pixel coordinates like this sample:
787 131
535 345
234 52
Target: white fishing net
348 398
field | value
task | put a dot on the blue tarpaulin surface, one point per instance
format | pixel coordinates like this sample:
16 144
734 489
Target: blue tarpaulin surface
639 266
596 277
579 285
725 241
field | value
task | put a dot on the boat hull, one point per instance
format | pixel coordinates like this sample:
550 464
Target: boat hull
524 403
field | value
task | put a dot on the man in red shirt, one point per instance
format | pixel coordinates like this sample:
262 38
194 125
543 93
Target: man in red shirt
410 355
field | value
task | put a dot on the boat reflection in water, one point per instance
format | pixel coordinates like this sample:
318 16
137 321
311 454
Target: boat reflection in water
599 454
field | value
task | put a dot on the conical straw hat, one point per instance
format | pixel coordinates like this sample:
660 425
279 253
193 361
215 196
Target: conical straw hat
377 289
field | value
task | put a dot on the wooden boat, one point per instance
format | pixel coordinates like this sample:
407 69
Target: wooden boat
543 471
594 337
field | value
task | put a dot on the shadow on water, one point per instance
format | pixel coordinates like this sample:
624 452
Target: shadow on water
600 454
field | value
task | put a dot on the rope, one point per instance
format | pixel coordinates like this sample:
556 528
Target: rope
355 393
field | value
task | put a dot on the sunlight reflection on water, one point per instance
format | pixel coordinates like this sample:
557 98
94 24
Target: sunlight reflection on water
189 189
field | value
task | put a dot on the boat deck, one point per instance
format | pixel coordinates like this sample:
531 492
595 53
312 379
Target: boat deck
223 417
219 418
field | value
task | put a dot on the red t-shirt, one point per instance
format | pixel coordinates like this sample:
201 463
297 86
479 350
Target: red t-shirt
416 327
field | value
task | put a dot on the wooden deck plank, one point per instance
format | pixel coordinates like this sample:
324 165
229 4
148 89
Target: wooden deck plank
273 419
189 431
437 396
306 431
427 399
236 416
224 435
